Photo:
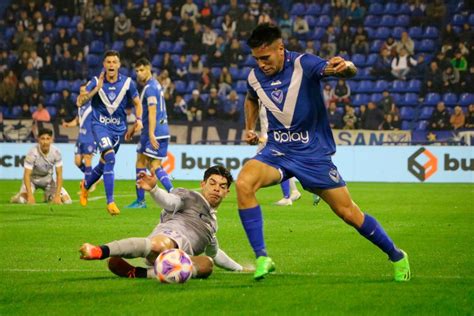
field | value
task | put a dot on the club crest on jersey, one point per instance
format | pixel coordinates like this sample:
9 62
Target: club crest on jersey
111 95
277 95
334 175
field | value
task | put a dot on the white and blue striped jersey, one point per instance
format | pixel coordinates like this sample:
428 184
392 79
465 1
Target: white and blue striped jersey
152 95
297 118
108 105
85 123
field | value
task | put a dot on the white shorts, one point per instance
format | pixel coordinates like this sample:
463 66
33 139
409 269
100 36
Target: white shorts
49 190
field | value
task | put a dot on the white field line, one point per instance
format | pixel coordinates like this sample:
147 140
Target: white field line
306 274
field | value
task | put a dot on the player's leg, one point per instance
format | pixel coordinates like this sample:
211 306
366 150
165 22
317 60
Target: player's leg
285 189
157 156
140 166
87 161
253 176
295 194
22 196
65 197
78 161
341 203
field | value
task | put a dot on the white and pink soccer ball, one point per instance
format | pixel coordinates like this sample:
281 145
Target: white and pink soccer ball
173 266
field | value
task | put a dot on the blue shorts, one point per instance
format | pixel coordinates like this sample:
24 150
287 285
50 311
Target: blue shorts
144 147
312 172
84 148
105 138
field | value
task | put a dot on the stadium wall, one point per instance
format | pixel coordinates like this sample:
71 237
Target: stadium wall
449 164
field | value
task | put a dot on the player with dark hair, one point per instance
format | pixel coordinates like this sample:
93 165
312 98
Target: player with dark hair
85 144
153 145
40 164
188 221
109 95
300 143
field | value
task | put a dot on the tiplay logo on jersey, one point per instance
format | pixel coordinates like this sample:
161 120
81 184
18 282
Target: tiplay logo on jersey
109 120
286 137
422 164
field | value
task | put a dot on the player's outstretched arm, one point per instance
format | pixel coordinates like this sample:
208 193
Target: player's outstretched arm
30 198
169 202
83 98
137 127
59 186
339 67
251 115
221 259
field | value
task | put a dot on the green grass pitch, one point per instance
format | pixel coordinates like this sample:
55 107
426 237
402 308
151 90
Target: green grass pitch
323 265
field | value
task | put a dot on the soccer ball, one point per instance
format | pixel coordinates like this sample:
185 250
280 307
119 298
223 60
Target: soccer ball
173 266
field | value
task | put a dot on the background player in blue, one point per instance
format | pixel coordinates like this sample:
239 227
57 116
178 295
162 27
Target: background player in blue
153 145
300 143
109 95
85 144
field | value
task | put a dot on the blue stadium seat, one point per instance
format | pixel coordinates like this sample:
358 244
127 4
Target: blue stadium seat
311 21
404 8
191 86
217 22
249 61
431 99
425 45
234 72
376 97
244 72
241 86
471 19
402 20
409 99
165 47
52 110
358 60
74 21
157 60
382 33
360 99
407 113
414 85
62 21
223 8
391 8
376 9
380 86
398 86
204 97
371 59
450 99
415 32
421 126
49 86
353 85
245 48
396 97
92 60
118 46
326 9
375 46
387 20
426 113
52 99
466 99
97 47
313 9
397 32
15 111
297 9
458 20
371 21
216 72
177 48
431 32
406 125
323 21
62 85
180 86
318 33
365 86
76 86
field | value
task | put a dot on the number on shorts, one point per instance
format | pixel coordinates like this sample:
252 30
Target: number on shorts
105 142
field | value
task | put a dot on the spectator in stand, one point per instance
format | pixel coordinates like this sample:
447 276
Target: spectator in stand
390 45
61 41
195 107
264 17
440 118
245 25
186 27
82 36
417 13
342 93
310 48
386 103
459 63
158 16
418 72
19 35
229 25
209 38
131 10
180 109
401 65
470 117
466 83
206 80
457 119
29 74
254 8
98 28
387 124
361 116
25 112
451 80
190 9
234 10
383 65
466 35
216 53
65 102
396 122
89 12
355 14
108 12
45 47
448 35
181 67
168 65
122 26
349 118
345 39
300 27
169 27
435 12
442 61
213 106
8 89
434 74
329 41
406 43
36 61
127 55
328 94
294 45
164 80
194 40
144 18
195 67
66 67
206 14
286 25
360 46
233 53
41 114
339 8
373 117
335 117
232 107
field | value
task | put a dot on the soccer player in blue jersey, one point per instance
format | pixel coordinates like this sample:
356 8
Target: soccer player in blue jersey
153 145
300 143
109 94
85 144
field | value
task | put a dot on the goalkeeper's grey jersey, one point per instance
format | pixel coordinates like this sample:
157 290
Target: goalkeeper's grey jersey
42 165
195 219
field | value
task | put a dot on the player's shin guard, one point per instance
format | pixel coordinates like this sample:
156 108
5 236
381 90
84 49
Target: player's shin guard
129 248
140 192
285 188
94 175
164 178
109 176
252 221
373 231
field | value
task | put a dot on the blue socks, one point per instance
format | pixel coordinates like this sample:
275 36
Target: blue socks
252 221
164 179
82 167
94 175
372 230
140 192
285 188
109 176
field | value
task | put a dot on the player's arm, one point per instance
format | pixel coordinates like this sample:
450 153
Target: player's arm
169 202
339 67
86 96
73 123
251 115
221 259
138 123
30 198
59 185
152 102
